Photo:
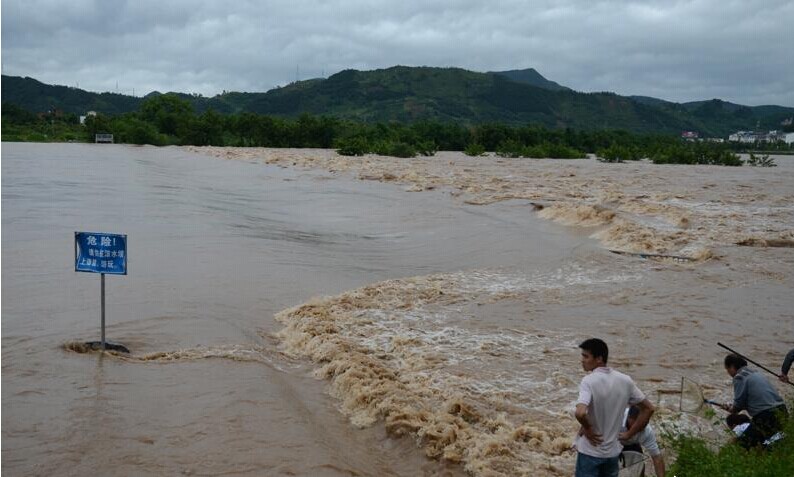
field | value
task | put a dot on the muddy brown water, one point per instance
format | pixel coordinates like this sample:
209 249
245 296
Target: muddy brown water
449 323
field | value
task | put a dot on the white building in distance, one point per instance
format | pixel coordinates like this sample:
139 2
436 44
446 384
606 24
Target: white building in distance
757 136
83 118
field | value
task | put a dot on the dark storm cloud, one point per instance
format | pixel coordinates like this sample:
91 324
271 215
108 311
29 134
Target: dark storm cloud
681 51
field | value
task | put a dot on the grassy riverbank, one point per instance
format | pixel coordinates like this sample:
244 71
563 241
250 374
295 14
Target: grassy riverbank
699 457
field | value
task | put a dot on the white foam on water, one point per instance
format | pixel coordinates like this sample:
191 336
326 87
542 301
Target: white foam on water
411 347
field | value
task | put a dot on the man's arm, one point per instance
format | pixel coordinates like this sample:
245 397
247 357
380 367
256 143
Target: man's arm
658 465
646 411
786 366
739 395
727 407
646 438
587 428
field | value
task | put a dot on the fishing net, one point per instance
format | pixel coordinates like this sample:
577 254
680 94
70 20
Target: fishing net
692 399
687 398
633 464
669 399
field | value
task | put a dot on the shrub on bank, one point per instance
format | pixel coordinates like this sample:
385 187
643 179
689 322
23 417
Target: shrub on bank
618 153
427 148
396 149
509 148
552 151
135 131
698 153
399 149
561 151
358 146
474 149
352 146
760 161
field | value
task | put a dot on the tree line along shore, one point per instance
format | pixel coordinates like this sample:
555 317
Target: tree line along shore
171 120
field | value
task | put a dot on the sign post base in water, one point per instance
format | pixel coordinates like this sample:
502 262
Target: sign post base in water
101 253
107 345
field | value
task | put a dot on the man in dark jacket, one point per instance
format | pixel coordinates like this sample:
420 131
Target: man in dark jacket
753 393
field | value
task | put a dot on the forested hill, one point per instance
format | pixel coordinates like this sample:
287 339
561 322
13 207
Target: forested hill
408 94
532 77
38 97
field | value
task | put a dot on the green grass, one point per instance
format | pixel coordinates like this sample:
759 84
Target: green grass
697 458
41 132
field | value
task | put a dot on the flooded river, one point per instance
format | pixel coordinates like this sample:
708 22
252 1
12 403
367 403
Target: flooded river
297 313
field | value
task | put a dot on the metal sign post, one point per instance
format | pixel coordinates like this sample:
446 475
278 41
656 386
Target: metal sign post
104 254
102 293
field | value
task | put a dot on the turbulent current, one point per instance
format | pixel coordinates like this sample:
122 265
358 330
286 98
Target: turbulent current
294 312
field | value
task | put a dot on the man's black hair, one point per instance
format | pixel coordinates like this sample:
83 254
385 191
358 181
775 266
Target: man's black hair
596 347
634 411
734 420
735 361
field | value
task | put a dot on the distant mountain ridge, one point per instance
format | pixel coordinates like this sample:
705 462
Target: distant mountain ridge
408 94
531 77
37 97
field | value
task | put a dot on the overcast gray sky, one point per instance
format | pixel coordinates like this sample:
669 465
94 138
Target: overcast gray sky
737 50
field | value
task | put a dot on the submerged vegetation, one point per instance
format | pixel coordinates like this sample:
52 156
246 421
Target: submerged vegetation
474 149
760 161
695 153
619 153
514 148
171 120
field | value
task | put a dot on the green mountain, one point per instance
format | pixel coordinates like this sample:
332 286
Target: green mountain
408 94
531 77
651 101
38 97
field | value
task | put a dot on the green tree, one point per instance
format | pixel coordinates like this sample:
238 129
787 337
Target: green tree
130 129
204 130
352 146
99 124
14 114
168 112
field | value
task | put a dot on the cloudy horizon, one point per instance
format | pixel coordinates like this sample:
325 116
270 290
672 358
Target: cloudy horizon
737 51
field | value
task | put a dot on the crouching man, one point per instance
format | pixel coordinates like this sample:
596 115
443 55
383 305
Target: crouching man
753 393
645 440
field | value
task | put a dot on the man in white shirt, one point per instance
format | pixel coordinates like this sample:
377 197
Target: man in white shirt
645 440
604 395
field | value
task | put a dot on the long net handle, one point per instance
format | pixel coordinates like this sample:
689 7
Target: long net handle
750 360
681 396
